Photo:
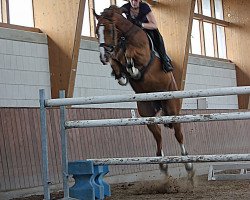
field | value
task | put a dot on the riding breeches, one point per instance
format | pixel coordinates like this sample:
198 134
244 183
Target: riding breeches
159 45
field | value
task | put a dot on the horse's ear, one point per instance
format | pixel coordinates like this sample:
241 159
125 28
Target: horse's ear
97 16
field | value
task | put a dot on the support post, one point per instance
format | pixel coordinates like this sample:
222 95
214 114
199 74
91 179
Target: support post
44 138
64 147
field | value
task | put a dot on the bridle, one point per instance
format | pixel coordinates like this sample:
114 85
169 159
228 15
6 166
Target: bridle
121 43
109 48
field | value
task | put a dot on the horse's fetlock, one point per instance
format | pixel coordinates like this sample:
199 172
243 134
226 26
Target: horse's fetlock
184 153
123 81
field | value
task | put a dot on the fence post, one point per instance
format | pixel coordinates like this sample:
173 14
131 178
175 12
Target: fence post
44 138
64 147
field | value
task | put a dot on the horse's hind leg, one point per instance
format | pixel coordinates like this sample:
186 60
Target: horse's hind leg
146 109
170 107
156 131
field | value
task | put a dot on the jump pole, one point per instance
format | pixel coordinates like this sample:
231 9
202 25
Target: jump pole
172 159
148 96
158 120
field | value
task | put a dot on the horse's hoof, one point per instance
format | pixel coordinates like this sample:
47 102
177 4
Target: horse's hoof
123 81
189 167
164 168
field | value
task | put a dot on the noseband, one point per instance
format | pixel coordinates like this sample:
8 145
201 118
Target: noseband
110 47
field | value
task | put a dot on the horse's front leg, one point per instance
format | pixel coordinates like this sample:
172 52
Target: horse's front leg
122 79
146 109
131 69
156 131
117 72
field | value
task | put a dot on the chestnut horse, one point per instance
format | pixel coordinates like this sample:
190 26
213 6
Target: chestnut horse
126 48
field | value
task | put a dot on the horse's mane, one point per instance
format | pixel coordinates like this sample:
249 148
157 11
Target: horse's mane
109 12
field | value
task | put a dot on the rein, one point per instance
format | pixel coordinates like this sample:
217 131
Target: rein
122 45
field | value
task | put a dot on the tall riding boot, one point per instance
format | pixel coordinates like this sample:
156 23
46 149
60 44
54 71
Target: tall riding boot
159 44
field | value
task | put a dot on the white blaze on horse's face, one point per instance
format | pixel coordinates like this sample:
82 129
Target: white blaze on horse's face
102 41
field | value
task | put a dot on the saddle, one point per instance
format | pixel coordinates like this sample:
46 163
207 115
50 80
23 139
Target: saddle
152 46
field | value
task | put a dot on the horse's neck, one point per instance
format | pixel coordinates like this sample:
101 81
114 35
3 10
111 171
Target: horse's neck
134 35
136 39
122 24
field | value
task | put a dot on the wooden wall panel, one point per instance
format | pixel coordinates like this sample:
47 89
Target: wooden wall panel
62 22
238 42
174 19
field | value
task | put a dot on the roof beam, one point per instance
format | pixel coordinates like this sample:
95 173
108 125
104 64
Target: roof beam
62 22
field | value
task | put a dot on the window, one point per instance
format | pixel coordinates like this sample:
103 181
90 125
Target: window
195 38
221 42
208 36
120 3
86 22
99 7
21 12
1 18
206 8
218 9
196 7
208 31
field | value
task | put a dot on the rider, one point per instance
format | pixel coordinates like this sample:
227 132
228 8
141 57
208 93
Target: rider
141 14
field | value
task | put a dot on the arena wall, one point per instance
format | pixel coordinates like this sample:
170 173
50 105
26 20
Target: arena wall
24 69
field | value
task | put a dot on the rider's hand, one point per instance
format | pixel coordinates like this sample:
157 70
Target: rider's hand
138 23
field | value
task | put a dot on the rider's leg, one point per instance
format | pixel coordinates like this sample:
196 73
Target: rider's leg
159 44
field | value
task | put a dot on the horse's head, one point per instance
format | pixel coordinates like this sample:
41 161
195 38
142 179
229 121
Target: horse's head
106 32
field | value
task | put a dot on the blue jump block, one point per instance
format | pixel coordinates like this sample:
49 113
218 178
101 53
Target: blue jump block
89 183
82 172
103 188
